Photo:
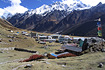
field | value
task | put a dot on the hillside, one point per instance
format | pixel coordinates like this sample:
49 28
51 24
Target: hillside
9 40
6 30
6 24
82 22
78 22
9 58
37 22
21 49
44 18
86 29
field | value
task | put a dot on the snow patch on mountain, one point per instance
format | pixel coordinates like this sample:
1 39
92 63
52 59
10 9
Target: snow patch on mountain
66 5
6 15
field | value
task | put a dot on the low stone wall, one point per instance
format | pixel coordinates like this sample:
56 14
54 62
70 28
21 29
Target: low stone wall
24 50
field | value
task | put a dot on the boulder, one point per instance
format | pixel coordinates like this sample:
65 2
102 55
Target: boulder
28 66
10 40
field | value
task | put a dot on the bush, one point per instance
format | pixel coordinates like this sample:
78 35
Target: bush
33 57
66 55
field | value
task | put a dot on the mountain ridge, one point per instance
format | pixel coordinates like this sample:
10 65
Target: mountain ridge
53 13
60 21
86 26
58 5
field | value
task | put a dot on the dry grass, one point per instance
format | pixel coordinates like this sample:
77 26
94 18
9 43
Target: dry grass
85 62
88 61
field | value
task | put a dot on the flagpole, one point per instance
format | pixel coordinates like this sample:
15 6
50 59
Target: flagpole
100 31
102 39
102 36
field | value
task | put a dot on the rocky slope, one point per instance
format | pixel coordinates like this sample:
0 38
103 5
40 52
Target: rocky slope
6 25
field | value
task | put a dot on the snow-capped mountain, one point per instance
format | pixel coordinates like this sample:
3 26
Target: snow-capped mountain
6 15
46 17
64 5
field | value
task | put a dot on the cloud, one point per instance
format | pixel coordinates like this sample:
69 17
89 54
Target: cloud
92 2
88 2
1 11
15 2
68 2
14 8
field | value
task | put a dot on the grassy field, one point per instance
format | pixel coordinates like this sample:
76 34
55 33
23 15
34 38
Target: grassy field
9 59
88 61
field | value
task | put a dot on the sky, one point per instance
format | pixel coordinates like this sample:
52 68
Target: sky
20 6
